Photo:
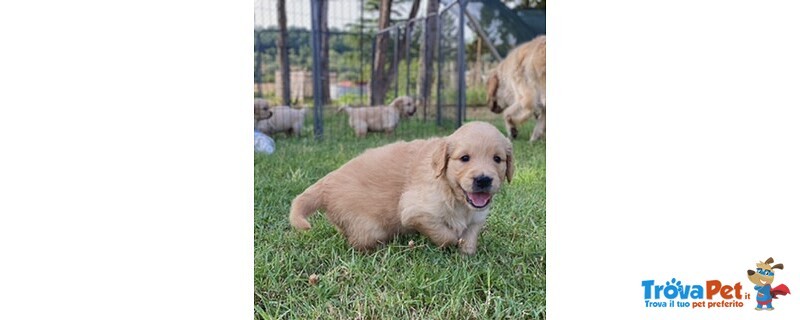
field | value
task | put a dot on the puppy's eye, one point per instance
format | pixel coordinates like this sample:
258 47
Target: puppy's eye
497 159
464 158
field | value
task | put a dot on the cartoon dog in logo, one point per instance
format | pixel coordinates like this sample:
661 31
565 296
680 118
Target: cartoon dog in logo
762 278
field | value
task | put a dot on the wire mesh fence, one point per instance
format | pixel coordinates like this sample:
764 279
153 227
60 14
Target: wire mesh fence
347 50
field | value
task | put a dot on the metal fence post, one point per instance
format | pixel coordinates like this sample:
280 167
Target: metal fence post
258 64
316 40
361 55
395 57
462 83
372 67
409 36
440 51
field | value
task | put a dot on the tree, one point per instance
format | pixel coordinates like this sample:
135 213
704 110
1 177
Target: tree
407 33
283 54
379 83
401 50
426 57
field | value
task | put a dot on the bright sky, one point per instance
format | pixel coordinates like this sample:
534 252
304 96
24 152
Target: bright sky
340 13
298 13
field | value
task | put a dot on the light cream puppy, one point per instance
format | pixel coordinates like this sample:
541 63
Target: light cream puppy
517 87
284 119
440 187
260 110
382 118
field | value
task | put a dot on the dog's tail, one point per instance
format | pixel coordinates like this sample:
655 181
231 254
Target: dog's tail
345 108
305 205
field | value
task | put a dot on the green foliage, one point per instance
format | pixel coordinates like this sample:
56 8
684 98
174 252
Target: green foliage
348 53
476 96
349 99
267 95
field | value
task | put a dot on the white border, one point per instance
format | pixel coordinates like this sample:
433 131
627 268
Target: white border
672 151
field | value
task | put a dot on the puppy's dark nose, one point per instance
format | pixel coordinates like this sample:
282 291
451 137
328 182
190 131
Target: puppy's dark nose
750 272
482 182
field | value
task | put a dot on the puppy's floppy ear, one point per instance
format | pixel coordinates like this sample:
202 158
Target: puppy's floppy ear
509 160
397 103
440 156
769 260
778 266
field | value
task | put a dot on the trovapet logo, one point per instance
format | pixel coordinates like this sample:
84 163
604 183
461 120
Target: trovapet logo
674 294
716 293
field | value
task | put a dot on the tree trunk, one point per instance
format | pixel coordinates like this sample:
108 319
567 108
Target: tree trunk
407 32
324 62
379 83
283 55
478 69
426 56
403 43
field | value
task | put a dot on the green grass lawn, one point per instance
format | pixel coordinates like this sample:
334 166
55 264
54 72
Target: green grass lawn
504 279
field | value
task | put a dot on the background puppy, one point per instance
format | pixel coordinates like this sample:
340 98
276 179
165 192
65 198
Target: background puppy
284 119
440 187
260 111
383 118
517 87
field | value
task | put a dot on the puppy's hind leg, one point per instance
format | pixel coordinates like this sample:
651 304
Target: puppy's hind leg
390 132
297 128
305 205
365 235
361 130
514 116
511 129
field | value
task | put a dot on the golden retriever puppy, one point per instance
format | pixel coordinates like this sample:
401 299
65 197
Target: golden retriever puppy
440 187
383 118
260 111
517 87
284 119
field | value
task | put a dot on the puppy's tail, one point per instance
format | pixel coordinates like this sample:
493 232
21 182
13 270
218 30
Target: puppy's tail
345 108
305 205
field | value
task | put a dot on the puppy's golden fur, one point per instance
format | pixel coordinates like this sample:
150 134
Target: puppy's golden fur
518 86
260 111
382 118
284 119
440 187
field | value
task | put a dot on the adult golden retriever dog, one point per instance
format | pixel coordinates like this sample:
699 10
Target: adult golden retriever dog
284 119
260 111
382 118
517 87
440 187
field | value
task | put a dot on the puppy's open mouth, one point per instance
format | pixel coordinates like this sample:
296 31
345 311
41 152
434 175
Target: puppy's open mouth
478 199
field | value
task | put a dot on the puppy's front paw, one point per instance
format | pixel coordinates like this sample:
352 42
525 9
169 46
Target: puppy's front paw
467 249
